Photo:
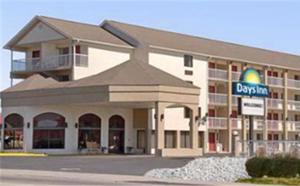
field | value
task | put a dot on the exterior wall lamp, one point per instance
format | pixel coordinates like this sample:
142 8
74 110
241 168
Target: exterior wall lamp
76 125
162 116
28 125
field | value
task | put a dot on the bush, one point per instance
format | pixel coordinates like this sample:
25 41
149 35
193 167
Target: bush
279 166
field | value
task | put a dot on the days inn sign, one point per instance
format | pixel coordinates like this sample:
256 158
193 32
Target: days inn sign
250 85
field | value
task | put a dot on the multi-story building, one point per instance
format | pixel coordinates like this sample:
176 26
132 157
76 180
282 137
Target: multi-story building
129 89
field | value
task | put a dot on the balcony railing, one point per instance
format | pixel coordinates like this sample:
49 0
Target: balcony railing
275 103
294 105
274 125
48 63
217 123
275 81
217 99
294 83
295 125
236 123
236 76
217 74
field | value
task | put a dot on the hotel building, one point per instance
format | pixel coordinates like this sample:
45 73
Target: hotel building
121 88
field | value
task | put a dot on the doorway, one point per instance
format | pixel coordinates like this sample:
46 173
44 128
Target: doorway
212 141
116 134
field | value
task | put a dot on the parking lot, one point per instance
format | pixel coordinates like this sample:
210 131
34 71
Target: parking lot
102 164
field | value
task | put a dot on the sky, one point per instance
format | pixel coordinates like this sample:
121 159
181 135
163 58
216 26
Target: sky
266 24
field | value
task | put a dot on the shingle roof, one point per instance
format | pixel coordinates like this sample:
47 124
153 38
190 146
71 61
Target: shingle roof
71 30
131 73
34 82
83 31
208 47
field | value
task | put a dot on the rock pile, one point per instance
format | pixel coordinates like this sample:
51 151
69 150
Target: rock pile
214 169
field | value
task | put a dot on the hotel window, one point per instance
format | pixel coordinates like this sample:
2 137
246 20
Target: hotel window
297 77
297 97
89 135
187 112
170 139
201 139
13 131
184 139
188 72
36 54
211 65
141 139
259 137
188 61
49 131
211 89
234 68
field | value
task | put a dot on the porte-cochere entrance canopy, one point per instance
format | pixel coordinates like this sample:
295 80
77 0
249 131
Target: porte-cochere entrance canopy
132 84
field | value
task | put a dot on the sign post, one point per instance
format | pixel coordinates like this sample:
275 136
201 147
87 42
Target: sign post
250 85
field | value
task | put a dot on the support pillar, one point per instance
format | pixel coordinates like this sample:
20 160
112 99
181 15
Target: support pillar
11 67
149 132
178 139
2 136
194 127
229 106
244 126
265 127
159 127
285 109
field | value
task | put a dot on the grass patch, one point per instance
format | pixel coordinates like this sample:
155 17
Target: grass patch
272 181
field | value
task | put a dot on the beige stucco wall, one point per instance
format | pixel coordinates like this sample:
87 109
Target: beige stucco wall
40 32
174 64
99 60
72 113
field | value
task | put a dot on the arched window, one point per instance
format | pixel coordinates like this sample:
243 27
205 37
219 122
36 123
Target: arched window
13 131
89 133
116 134
49 131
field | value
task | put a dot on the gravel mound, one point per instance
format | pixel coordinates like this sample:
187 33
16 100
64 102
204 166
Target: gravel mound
213 169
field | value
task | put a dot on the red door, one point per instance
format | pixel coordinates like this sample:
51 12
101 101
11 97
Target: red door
212 141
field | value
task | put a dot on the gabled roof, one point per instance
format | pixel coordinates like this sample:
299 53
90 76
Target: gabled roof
34 82
133 73
207 47
70 30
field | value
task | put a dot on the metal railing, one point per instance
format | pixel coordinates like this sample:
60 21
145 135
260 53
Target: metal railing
48 63
217 123
294 125
294 83
275 81
275 103
217 99
294 105
236 76
217 74
274 125
236 123
270 147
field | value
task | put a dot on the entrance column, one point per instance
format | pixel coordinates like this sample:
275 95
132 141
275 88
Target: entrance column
194 127
149 132
159 127
229 106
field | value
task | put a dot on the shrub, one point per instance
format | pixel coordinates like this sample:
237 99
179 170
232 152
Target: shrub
279 166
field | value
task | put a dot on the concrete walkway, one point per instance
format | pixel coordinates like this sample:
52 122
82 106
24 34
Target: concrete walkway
44 178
